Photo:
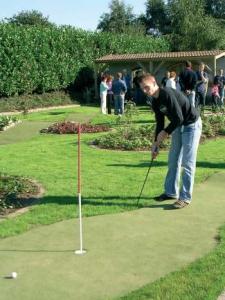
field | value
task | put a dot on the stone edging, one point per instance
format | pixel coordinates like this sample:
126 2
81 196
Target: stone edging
222 296
10 125
39 109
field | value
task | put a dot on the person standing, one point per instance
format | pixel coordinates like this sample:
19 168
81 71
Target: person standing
215 95
136 85
109 93
171 82
220 80
201 86
165 78
119 90
188 82
103 94
127 79
185 127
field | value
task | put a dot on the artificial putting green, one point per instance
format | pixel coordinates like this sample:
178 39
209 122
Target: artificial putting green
124 251
22 132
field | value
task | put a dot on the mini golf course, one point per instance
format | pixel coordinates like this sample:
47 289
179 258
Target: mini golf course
124 251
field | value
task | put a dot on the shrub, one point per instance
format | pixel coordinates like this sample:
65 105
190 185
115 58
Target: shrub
71 128
6 121
129 138
40 59
24 102
13 190
213 125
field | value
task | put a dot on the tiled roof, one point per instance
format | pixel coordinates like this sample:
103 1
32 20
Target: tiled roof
159 55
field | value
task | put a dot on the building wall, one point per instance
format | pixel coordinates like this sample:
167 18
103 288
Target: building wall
169 65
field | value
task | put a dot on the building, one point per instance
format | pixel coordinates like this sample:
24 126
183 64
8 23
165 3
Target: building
158 63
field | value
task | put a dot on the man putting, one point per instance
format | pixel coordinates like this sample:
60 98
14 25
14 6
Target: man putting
185 126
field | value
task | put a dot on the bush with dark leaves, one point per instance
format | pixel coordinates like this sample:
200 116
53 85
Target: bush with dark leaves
72 128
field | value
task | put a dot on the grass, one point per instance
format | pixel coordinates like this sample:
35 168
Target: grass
111 182
202 280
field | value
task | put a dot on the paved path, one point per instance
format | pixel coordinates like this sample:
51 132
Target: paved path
124 251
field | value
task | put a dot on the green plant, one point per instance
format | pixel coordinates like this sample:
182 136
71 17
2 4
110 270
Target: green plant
12 188
50 58
7 120
130 111
128 138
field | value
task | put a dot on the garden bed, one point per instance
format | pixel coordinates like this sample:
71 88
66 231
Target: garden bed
7 122
17 193
72 128
136 138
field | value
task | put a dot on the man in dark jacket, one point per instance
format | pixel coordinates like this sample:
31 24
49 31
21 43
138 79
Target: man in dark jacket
188 80
185 126
201 87
119 90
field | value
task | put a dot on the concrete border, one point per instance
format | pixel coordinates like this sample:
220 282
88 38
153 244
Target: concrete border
40 109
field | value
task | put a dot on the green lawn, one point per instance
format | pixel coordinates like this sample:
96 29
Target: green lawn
111 182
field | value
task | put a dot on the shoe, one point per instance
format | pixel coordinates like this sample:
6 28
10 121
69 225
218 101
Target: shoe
181 204
164 197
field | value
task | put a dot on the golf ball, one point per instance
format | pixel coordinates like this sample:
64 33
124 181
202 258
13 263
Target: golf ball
14 275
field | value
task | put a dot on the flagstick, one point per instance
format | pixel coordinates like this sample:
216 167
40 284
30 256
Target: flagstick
81 250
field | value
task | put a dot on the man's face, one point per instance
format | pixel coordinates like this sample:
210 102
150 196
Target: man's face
148 87
201 68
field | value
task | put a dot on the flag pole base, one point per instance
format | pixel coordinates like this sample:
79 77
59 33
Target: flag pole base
80 252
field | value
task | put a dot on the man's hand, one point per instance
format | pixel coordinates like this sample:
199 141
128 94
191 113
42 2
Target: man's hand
154 150
187 92
155 146
161 137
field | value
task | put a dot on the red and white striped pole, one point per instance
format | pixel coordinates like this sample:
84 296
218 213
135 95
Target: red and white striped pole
81 250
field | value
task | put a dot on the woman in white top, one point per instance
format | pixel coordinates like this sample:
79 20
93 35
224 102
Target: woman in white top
103 94
171 82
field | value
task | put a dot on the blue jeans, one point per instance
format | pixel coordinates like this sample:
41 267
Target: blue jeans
183 153
221 91
119 104
191 98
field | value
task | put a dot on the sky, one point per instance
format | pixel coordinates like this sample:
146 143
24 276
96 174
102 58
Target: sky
83 14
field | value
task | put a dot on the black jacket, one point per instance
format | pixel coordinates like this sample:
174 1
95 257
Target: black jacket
176 107
188 80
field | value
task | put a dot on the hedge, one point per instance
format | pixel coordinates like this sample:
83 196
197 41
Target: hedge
39 59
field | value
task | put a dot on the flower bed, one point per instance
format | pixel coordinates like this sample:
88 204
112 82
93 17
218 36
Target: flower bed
72 128
140 138
16 192
129 138
7 122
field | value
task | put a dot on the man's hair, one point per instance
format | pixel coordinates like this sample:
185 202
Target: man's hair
119 75
188 64
147 76
173 74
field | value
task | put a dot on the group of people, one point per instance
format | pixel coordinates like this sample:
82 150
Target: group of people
194 84
114 90
117 90
176 99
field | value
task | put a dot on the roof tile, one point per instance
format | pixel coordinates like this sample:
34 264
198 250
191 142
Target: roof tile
158 55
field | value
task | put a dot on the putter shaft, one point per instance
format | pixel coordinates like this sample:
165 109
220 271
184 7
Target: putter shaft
149 168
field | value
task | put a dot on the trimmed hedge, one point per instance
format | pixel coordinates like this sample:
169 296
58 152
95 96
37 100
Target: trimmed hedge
40 59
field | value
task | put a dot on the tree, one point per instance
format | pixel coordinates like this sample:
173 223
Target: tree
157 16
120 19
32 17
215 8
192 28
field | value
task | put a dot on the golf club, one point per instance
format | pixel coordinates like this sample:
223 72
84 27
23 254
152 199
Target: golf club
149 168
